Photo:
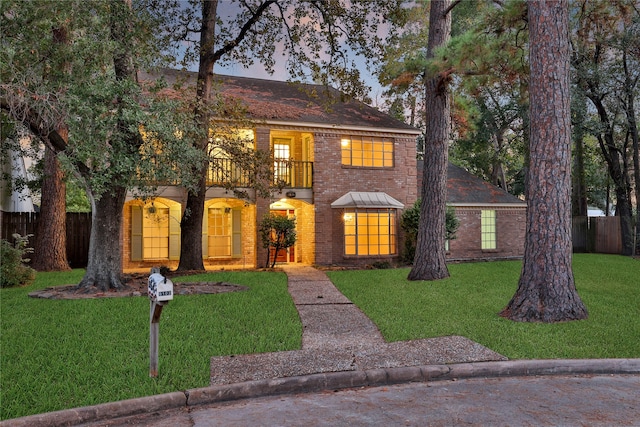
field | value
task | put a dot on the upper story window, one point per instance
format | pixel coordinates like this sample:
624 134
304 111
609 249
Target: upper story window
366 152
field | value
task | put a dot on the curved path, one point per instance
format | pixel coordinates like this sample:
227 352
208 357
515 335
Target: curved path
338 337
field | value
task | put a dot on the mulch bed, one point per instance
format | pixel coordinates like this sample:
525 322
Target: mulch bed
135 286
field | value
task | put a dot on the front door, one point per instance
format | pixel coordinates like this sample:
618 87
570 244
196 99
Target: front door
288 254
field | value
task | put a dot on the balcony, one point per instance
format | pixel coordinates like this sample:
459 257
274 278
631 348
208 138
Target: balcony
286 174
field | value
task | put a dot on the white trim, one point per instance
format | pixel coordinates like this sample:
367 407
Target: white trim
336 127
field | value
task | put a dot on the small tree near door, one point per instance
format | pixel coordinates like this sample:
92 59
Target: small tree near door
278 233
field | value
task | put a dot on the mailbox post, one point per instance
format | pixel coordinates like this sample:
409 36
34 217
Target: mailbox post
160 293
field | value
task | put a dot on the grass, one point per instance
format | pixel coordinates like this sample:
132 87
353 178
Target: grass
58 354
467 304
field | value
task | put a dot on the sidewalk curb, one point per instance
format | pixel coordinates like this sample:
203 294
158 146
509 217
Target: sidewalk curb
325 381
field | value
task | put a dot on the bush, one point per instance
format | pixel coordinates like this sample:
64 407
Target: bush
13 271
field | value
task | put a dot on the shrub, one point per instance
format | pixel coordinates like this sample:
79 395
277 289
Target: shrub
13 271
277 232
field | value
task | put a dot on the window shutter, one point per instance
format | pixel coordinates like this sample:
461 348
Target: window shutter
205 234
175 214
136 233
236 233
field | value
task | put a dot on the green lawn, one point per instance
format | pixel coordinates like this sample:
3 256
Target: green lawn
63 354
467 304
58 354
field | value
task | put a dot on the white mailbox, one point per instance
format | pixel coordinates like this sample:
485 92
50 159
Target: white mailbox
160 288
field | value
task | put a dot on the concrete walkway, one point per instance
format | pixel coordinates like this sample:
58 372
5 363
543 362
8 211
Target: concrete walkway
338 337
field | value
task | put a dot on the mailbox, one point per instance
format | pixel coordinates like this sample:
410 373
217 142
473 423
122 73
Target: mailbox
160 288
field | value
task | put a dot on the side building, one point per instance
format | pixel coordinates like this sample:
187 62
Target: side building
492 221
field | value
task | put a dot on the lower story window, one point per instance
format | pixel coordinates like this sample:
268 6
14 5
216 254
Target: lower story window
155 232
370 232
488 226
219 232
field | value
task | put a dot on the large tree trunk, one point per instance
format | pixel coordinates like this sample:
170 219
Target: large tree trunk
191 229
50 249
191 224
632 124
579 189
546 290
104 269
429 262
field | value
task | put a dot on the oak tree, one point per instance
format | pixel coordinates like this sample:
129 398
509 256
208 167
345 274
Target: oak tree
114 124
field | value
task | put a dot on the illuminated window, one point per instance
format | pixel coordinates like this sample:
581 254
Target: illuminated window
367 152
488 227
281 158
155 231
219 232
370 232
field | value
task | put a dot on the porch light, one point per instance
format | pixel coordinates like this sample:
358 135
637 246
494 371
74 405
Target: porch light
348 217
344 142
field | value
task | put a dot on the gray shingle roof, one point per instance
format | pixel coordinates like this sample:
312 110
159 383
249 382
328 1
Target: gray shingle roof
463 187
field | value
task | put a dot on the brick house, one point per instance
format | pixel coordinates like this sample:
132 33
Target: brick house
492 221
349 171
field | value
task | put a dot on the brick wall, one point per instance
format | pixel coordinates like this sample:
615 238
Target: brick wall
332 180
510 231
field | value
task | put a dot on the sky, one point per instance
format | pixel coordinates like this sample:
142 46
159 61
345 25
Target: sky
280 73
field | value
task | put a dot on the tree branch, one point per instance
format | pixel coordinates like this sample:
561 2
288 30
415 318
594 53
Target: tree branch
450 8
255 17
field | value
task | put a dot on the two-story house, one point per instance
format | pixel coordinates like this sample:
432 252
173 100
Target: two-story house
348 172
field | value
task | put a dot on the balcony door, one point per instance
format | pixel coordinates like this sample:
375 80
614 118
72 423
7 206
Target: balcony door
281 158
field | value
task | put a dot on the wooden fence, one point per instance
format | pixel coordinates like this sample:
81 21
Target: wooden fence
599 234
78 232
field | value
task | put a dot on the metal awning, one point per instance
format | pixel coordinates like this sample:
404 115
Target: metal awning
363 199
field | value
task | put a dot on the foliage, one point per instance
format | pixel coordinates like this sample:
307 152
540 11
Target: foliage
277 232
322 41
47 85
69 75
606 68
90 360
13 271
410 222
467 304
76 196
